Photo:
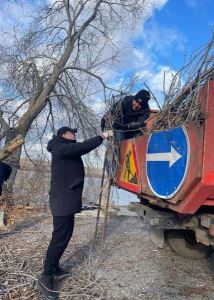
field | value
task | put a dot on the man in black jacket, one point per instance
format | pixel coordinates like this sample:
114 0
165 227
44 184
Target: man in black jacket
128 116
67 179
5 171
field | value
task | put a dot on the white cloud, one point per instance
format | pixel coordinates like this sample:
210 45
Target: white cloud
193 3
135 60
142 54
161 80
142 46
158 81
152 5
98 106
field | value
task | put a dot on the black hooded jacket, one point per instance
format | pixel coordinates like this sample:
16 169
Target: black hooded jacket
124 117
5 171
67 174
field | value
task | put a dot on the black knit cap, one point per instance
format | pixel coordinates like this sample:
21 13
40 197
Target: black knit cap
141 96
64 129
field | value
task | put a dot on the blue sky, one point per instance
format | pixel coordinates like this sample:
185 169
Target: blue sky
191 19
169 31
157 46
166 39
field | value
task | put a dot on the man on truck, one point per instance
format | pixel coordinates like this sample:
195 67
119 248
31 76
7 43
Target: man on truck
128 115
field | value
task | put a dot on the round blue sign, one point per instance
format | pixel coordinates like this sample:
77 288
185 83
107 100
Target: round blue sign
167 161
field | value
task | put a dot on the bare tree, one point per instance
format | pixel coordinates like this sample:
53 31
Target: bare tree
59 61
181 103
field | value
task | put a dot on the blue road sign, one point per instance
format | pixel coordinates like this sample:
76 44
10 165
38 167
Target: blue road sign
167 161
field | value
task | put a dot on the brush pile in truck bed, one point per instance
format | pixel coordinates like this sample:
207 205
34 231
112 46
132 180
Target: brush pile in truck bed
181 104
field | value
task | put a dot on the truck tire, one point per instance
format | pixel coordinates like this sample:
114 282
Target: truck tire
183 243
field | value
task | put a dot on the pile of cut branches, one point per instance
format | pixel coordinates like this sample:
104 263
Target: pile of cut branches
181 103
21 263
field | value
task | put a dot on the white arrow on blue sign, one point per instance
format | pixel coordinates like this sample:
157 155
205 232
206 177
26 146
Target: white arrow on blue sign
167 161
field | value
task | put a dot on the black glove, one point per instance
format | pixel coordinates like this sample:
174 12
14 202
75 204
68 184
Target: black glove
135 125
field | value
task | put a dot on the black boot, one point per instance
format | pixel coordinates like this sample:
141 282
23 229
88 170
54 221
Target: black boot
59 273
46 284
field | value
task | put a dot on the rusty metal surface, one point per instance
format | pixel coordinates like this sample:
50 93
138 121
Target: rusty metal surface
205 188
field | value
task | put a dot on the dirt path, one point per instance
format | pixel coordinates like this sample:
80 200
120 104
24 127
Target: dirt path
129 267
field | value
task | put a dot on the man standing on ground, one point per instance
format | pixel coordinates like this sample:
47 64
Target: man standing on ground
5 171
67 179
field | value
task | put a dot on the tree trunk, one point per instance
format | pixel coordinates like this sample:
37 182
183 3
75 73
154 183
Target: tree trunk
14 161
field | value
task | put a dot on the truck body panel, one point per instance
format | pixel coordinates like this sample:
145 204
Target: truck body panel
190 202
197 188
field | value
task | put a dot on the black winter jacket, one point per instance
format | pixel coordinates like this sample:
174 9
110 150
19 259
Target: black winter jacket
5 171
67 174
124 117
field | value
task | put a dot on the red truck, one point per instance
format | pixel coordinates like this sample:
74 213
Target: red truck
172 174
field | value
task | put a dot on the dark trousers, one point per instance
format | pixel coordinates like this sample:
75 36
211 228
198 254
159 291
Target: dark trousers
61 235
121 135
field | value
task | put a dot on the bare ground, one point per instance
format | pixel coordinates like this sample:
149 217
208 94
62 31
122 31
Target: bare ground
128 267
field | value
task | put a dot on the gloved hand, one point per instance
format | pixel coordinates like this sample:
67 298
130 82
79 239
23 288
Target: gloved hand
134 125
107 134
